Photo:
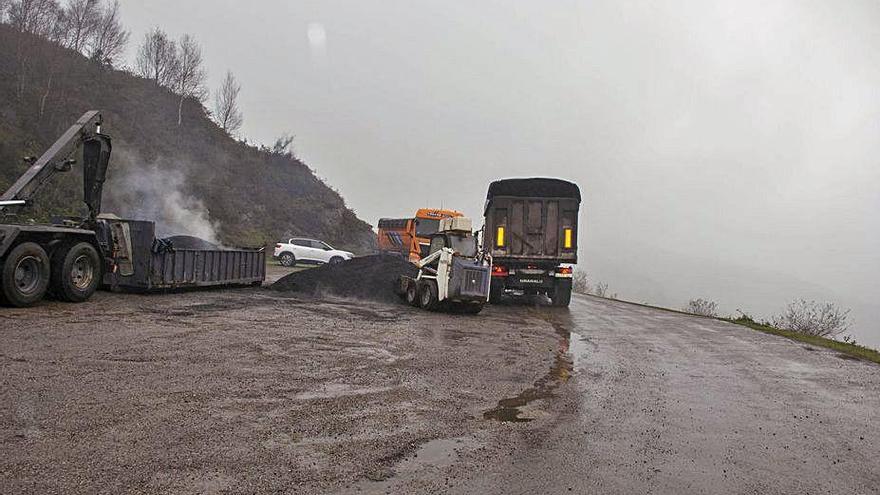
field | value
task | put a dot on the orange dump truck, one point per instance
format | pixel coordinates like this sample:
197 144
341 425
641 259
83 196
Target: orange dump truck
409 237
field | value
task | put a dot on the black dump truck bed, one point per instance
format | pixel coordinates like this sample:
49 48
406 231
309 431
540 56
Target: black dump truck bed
532 220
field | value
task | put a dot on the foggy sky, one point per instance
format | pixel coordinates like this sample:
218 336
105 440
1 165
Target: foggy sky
725 150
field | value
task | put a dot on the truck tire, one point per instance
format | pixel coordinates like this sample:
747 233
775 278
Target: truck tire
496 291
76 273
336 260
561 297
428 295
412 293
25 275
287 259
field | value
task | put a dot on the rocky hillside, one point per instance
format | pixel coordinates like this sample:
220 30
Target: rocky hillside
191 179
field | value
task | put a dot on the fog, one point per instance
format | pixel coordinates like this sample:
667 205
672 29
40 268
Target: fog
725 150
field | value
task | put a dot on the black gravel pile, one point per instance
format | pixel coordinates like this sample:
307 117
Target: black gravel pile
368 277
191 242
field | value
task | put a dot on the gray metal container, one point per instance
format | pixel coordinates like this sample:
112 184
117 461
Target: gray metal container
203 268
143 263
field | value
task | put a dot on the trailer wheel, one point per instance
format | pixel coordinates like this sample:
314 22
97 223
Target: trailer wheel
25 275
412 293
287 259
76 273
428 296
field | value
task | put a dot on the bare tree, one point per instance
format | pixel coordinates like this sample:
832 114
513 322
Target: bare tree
4 8
282 146
812 318
157 58
580 283
80 21
40 18
109 38
37 17
702 307
602 290
226 109
189 79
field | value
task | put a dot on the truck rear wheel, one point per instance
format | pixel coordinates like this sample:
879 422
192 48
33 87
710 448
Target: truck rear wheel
76 273
428 296
496 292
25 275
287 259
562 295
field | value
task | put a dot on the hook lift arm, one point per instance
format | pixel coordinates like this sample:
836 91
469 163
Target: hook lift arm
85 134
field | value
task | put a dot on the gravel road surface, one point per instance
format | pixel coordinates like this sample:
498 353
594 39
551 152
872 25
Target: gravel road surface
254 391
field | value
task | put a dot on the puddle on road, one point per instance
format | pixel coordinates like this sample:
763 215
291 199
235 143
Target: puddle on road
571 348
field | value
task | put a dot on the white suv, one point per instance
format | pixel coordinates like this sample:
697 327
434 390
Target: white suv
300 250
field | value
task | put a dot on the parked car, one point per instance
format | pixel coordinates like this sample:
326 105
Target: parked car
308 251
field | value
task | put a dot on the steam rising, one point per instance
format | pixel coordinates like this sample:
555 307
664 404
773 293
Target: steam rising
158 192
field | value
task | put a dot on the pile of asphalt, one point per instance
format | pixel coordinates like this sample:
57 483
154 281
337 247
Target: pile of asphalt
191 242
367 277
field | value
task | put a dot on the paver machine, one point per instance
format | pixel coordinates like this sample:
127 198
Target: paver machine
454 275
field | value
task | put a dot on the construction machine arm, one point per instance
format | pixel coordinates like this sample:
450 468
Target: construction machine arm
85 134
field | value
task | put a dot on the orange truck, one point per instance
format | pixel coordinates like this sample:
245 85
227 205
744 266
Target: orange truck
410 237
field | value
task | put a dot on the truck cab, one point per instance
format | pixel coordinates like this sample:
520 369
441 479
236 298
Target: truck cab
411 237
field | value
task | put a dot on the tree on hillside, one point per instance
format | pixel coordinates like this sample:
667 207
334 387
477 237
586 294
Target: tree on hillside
189 78
80 19
39 18
702 307
580 283
812 318
109 38
4 7
157 58
226 109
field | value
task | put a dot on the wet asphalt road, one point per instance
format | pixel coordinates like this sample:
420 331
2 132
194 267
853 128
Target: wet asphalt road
667 403
250 391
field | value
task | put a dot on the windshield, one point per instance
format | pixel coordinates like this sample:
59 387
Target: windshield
427 226
463 245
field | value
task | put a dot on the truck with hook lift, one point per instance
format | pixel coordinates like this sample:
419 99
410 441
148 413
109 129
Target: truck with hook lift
72 257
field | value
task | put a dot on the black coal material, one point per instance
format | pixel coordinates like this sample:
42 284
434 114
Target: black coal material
190 242
367 277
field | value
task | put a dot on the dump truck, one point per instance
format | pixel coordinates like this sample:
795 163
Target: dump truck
70 258
454 275
531 231
410 237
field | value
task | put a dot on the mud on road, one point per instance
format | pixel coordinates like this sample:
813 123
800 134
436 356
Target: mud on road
255 391
259 391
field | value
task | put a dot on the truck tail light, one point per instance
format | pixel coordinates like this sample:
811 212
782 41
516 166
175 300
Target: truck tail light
564 271
499 237
277 246
568 241
499 271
